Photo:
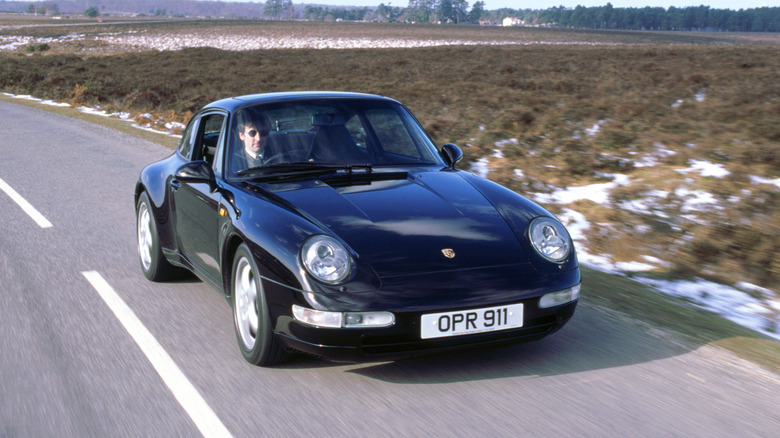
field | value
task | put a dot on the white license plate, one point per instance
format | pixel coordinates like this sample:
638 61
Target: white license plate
465 322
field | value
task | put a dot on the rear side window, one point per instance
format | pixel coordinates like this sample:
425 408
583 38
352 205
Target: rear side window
209 136
185 144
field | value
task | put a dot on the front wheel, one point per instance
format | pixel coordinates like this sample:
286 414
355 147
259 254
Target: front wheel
153 263
250 312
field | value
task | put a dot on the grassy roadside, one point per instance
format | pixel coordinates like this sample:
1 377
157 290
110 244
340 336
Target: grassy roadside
700 327
109 122
615 292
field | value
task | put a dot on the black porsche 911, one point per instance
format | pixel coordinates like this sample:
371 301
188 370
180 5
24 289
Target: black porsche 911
335 227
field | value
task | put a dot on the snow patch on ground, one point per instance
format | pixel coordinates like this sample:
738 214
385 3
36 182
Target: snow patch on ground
598 193
143 41
732 303
756 180
706 169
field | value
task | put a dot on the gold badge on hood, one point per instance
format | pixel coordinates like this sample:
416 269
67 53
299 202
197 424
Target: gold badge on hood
448 252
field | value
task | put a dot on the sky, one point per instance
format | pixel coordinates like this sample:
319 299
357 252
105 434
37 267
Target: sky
544 4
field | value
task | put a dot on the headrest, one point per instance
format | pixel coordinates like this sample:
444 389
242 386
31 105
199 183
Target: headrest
327 119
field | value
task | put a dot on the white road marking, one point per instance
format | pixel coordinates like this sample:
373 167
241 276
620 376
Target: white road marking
183 390
26 206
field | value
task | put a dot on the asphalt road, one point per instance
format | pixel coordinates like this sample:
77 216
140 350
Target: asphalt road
71 366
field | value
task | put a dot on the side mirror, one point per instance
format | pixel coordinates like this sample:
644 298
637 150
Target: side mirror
451 154
197 171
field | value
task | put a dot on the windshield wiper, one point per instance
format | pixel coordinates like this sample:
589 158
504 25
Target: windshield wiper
299 169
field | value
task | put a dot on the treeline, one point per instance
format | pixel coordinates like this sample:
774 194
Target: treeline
318 13
418 11
764 19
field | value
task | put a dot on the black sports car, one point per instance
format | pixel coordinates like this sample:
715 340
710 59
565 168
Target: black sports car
335 227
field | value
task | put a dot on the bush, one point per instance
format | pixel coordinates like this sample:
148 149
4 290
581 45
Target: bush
38 47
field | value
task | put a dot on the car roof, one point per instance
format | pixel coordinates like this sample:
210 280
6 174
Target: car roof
233 103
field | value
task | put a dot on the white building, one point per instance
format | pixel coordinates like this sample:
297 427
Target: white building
512 21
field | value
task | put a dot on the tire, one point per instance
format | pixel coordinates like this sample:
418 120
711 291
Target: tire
153 263
254 331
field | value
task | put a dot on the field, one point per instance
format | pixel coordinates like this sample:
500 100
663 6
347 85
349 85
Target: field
661 151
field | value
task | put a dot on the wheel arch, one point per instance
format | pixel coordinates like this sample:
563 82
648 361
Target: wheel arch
228 254
139 189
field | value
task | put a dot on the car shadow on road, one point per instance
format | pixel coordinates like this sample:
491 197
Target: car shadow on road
595 338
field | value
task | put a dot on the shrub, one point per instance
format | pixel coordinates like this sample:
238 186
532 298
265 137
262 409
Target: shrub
38 47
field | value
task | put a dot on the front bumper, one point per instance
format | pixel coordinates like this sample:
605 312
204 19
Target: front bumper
403 340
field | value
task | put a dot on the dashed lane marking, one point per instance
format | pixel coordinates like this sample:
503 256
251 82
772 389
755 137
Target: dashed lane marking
183 390
26 206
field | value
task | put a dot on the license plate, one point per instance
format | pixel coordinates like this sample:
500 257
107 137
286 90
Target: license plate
466 322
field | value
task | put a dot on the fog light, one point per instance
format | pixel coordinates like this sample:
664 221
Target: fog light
561 297
321 318
368 319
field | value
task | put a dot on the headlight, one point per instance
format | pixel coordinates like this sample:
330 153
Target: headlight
550 239
326 259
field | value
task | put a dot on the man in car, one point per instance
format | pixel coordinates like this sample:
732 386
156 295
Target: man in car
253 130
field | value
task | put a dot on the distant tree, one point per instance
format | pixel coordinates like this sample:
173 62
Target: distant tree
421 11
446 11
312 12
383 12
288 10
387 13
43 8
765 19
459 10
604 16
476 12
92 12
273 8
52 8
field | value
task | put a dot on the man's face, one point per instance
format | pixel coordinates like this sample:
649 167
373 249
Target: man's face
253 139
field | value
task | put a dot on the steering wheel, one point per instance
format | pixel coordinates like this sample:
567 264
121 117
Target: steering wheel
276 158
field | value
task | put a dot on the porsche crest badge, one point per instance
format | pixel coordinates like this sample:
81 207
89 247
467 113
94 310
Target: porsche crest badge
448 252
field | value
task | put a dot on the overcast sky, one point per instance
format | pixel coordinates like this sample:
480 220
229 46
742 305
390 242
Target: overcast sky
544 4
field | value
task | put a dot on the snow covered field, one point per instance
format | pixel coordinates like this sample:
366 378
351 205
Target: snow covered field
256 38
239 42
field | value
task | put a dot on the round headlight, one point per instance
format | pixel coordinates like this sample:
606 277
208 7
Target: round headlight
550 239
326 259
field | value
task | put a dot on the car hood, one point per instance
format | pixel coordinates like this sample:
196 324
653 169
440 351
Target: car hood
427 222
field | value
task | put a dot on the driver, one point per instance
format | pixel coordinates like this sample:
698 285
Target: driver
253 130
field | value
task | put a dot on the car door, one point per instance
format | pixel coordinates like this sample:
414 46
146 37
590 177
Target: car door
196 200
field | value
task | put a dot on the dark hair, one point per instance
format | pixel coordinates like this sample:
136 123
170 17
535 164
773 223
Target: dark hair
252 117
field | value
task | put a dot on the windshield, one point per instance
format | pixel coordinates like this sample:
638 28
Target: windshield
343 132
